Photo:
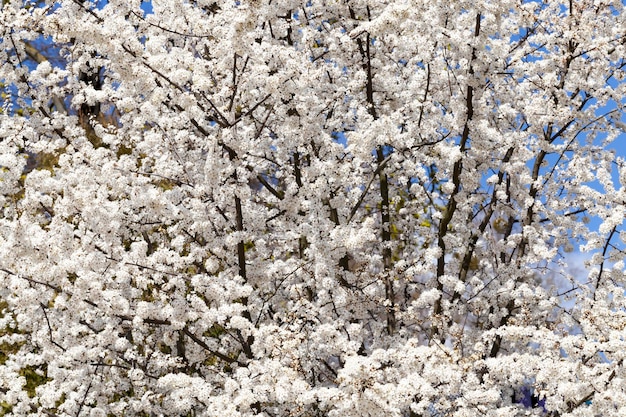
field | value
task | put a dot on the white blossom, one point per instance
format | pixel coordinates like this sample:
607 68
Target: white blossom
311 208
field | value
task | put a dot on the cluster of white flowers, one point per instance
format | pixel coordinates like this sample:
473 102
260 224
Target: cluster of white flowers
320 208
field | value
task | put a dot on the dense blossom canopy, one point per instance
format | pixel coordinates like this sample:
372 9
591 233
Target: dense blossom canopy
312 208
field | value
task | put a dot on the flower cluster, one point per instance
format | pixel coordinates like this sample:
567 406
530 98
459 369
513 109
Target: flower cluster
320 208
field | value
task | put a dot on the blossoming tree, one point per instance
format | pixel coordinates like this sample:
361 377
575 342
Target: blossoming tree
311 208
